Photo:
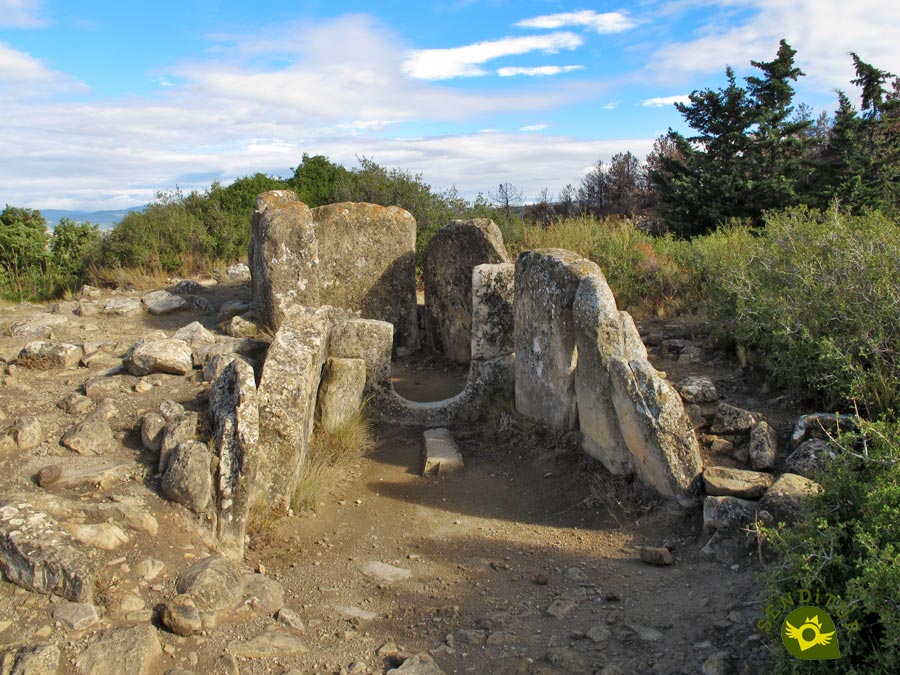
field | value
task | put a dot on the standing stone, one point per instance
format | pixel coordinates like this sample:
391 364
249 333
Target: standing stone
369 340
341 391
493 294
127 650
763 446
600 336
367 263
187 479
234 409
287 398
656 428
284 256
450 256
545 284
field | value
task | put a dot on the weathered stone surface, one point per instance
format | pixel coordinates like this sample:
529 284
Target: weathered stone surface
369 340
129 511
217 364
159 356
656 428
698 389
152 427
821 425
367 263
287 398
785 498
727 512
163 302
545 284
187 479
240 327
599 336
181 616
75 615
450 257
27 432
38 326
284 256
232 308
440 454
291 619
341 391
233 405
385 573
420 664
37 554
122 306
237 273
493 294
105 536
214 583
730 420
38 659
179 428
248 347
262 594
722 481
128 650
45 355
107 386
763 445
49 475
195 334
809 459
656 555
273 642
93 435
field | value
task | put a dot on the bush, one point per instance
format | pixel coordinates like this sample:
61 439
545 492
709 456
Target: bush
845 546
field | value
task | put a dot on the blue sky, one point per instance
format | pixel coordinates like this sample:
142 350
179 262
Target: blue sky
103 104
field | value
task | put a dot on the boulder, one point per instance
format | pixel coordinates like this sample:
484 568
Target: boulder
730 420
721 513
45 355
809 459
75 615
180 427
545 284
234 410
38 326
785 498
159 356
263 595
493 293
127 650
213 583
195 333
341 391
181 616
656 429
237 273
450 257
36 659
722 481
93 435
284 256
122 306
218 363
240 327
187 479
163 302
367 263
763 446
698 389
27 432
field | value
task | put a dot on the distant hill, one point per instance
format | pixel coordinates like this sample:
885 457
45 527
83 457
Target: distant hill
105 219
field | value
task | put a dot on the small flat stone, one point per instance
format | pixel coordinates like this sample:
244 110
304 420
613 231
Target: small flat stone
384 572
273 642
645 633
723 481
561 608
440 453
355 613
656 556
75 615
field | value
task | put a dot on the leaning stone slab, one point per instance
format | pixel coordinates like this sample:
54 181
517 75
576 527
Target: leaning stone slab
763 446
43 355
35 553
233 405
127 650
287 398
39 659
440 453
284 256
159 356
545 284
367 263
493 294
38 326
450 257
722 481
656 428
341 391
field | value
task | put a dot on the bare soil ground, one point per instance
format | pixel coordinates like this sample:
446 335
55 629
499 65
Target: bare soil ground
514 565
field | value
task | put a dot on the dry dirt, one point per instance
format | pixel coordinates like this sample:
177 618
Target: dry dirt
489 549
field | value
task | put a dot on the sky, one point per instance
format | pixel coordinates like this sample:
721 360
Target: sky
104 104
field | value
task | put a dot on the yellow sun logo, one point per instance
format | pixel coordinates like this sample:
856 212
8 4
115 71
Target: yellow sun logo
813 627
809 634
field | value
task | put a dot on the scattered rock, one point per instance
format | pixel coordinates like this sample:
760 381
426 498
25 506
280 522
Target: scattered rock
181 616
722 481
727 512
440 453
730 420
821 425
75 404
179 428
561 608
355 613
38 659
240 327
233 308
159 356
129 650
420 664
718 663
237 273
567 659
598 633
385 573
76 615
809 459
214 583
105 536
290 618
43 355
645 633
38 326
656 556
149 568
698 389
187 479
152 427
27 432
189 287
49 475
262 594
113 386
162 302
763 446
92 436
273 642
785 498
122 306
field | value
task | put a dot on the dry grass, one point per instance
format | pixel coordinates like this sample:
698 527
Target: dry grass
618 494
331 453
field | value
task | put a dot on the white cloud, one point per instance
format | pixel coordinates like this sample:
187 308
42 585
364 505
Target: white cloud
443 64
22 75
21 14
533 127
612 105
605 23
663 101
538 71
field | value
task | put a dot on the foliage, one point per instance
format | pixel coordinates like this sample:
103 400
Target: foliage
844 545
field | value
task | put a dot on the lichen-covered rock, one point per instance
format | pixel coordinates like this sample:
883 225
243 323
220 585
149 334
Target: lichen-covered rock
730 419
763 446
127 650
218 363
493 294
785 498
163 302
240 327
722 481
698 389
37 326
287 398
822 425
369 340
159 356
122 306
656 428
237 273
37 554
187 479
45 355
341 391
195 334
233 406
545 284
37 659
214 583
284 256
93 435
450 257
809 459
721 513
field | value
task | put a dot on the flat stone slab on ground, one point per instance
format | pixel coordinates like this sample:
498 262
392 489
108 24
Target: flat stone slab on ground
723 481
273 642
355 613
130 650
384 572
440 453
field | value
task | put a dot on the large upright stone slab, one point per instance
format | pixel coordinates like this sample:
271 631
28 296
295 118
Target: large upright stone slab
369 340
287 398
493 294
341 392
656 428
367 263
283 256
451 255
545 284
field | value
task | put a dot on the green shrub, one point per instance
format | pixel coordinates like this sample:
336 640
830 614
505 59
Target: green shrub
845 546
